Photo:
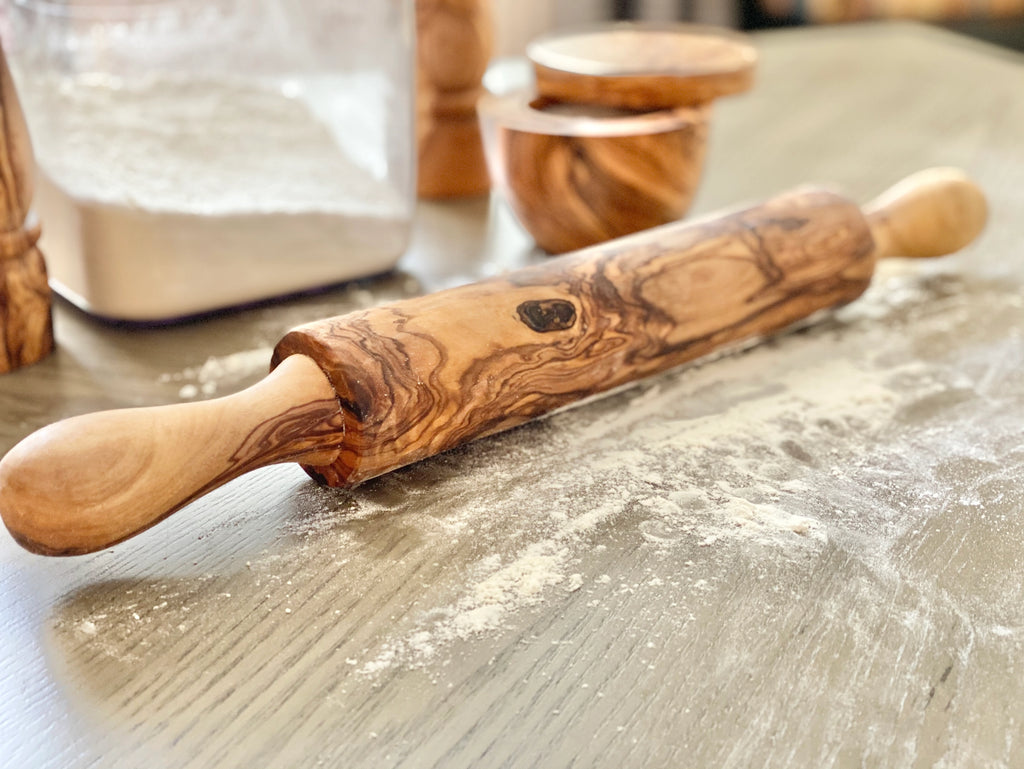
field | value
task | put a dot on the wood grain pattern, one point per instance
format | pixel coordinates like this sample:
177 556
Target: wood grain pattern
642 66
427 374
357 396
26 324
615 139
580 177
17 165
888 636
149 462
454 46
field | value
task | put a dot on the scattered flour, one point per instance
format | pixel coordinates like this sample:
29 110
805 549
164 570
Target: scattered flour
225 373
721 455
766 454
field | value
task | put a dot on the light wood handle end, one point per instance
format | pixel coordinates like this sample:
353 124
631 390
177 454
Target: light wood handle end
91 481
931 213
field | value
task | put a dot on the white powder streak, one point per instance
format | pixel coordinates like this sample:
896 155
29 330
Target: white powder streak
730 475
220 373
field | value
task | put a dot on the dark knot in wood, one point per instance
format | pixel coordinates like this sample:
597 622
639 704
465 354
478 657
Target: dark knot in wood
544 315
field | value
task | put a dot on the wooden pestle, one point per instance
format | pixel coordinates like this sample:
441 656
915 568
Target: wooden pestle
26 326
454 40
356 396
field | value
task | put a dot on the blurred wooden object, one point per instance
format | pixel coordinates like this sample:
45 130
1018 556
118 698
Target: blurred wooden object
641 66
26 326
614 141
576 175
454 46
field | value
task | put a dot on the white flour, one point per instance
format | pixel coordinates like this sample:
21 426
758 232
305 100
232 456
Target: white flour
687 482
168 197
217 147
220 374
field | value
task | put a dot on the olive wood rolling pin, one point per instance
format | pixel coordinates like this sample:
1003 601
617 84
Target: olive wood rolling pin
356 396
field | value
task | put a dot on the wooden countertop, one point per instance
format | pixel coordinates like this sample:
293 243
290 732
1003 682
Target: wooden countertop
807 554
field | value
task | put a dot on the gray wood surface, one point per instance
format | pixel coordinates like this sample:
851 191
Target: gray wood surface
805 554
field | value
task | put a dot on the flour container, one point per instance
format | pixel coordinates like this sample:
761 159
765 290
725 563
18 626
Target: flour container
195 155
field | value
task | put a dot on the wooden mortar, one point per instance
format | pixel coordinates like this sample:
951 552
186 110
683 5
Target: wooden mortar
614 140
26 325
577 175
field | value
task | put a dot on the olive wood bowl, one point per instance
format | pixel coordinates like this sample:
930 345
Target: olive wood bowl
577 175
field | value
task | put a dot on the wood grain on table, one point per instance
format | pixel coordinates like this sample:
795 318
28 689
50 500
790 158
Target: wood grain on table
805 554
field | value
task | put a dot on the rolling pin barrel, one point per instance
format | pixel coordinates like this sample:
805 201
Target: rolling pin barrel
353 397
427 374
421 376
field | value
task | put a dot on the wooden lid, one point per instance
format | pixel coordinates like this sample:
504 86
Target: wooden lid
519 112
642 66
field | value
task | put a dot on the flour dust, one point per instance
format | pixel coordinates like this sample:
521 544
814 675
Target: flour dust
766 455
767 451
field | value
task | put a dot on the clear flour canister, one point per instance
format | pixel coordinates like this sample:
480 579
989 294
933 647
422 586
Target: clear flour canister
195 155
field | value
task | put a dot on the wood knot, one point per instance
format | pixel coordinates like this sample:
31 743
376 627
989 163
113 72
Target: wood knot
544 315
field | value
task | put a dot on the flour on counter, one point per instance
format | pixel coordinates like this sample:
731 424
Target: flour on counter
769 456
718 455
223 373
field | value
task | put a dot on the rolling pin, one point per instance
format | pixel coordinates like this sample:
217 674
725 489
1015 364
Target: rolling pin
356 396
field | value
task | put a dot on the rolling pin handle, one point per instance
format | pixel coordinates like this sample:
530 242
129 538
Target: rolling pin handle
931 213
91 481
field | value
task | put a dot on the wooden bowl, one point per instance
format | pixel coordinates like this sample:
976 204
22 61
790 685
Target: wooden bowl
579 175
642 66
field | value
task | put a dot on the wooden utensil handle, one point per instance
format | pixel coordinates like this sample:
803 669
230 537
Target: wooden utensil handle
88 482
357 396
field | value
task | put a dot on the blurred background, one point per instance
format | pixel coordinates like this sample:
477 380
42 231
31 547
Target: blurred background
998 21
